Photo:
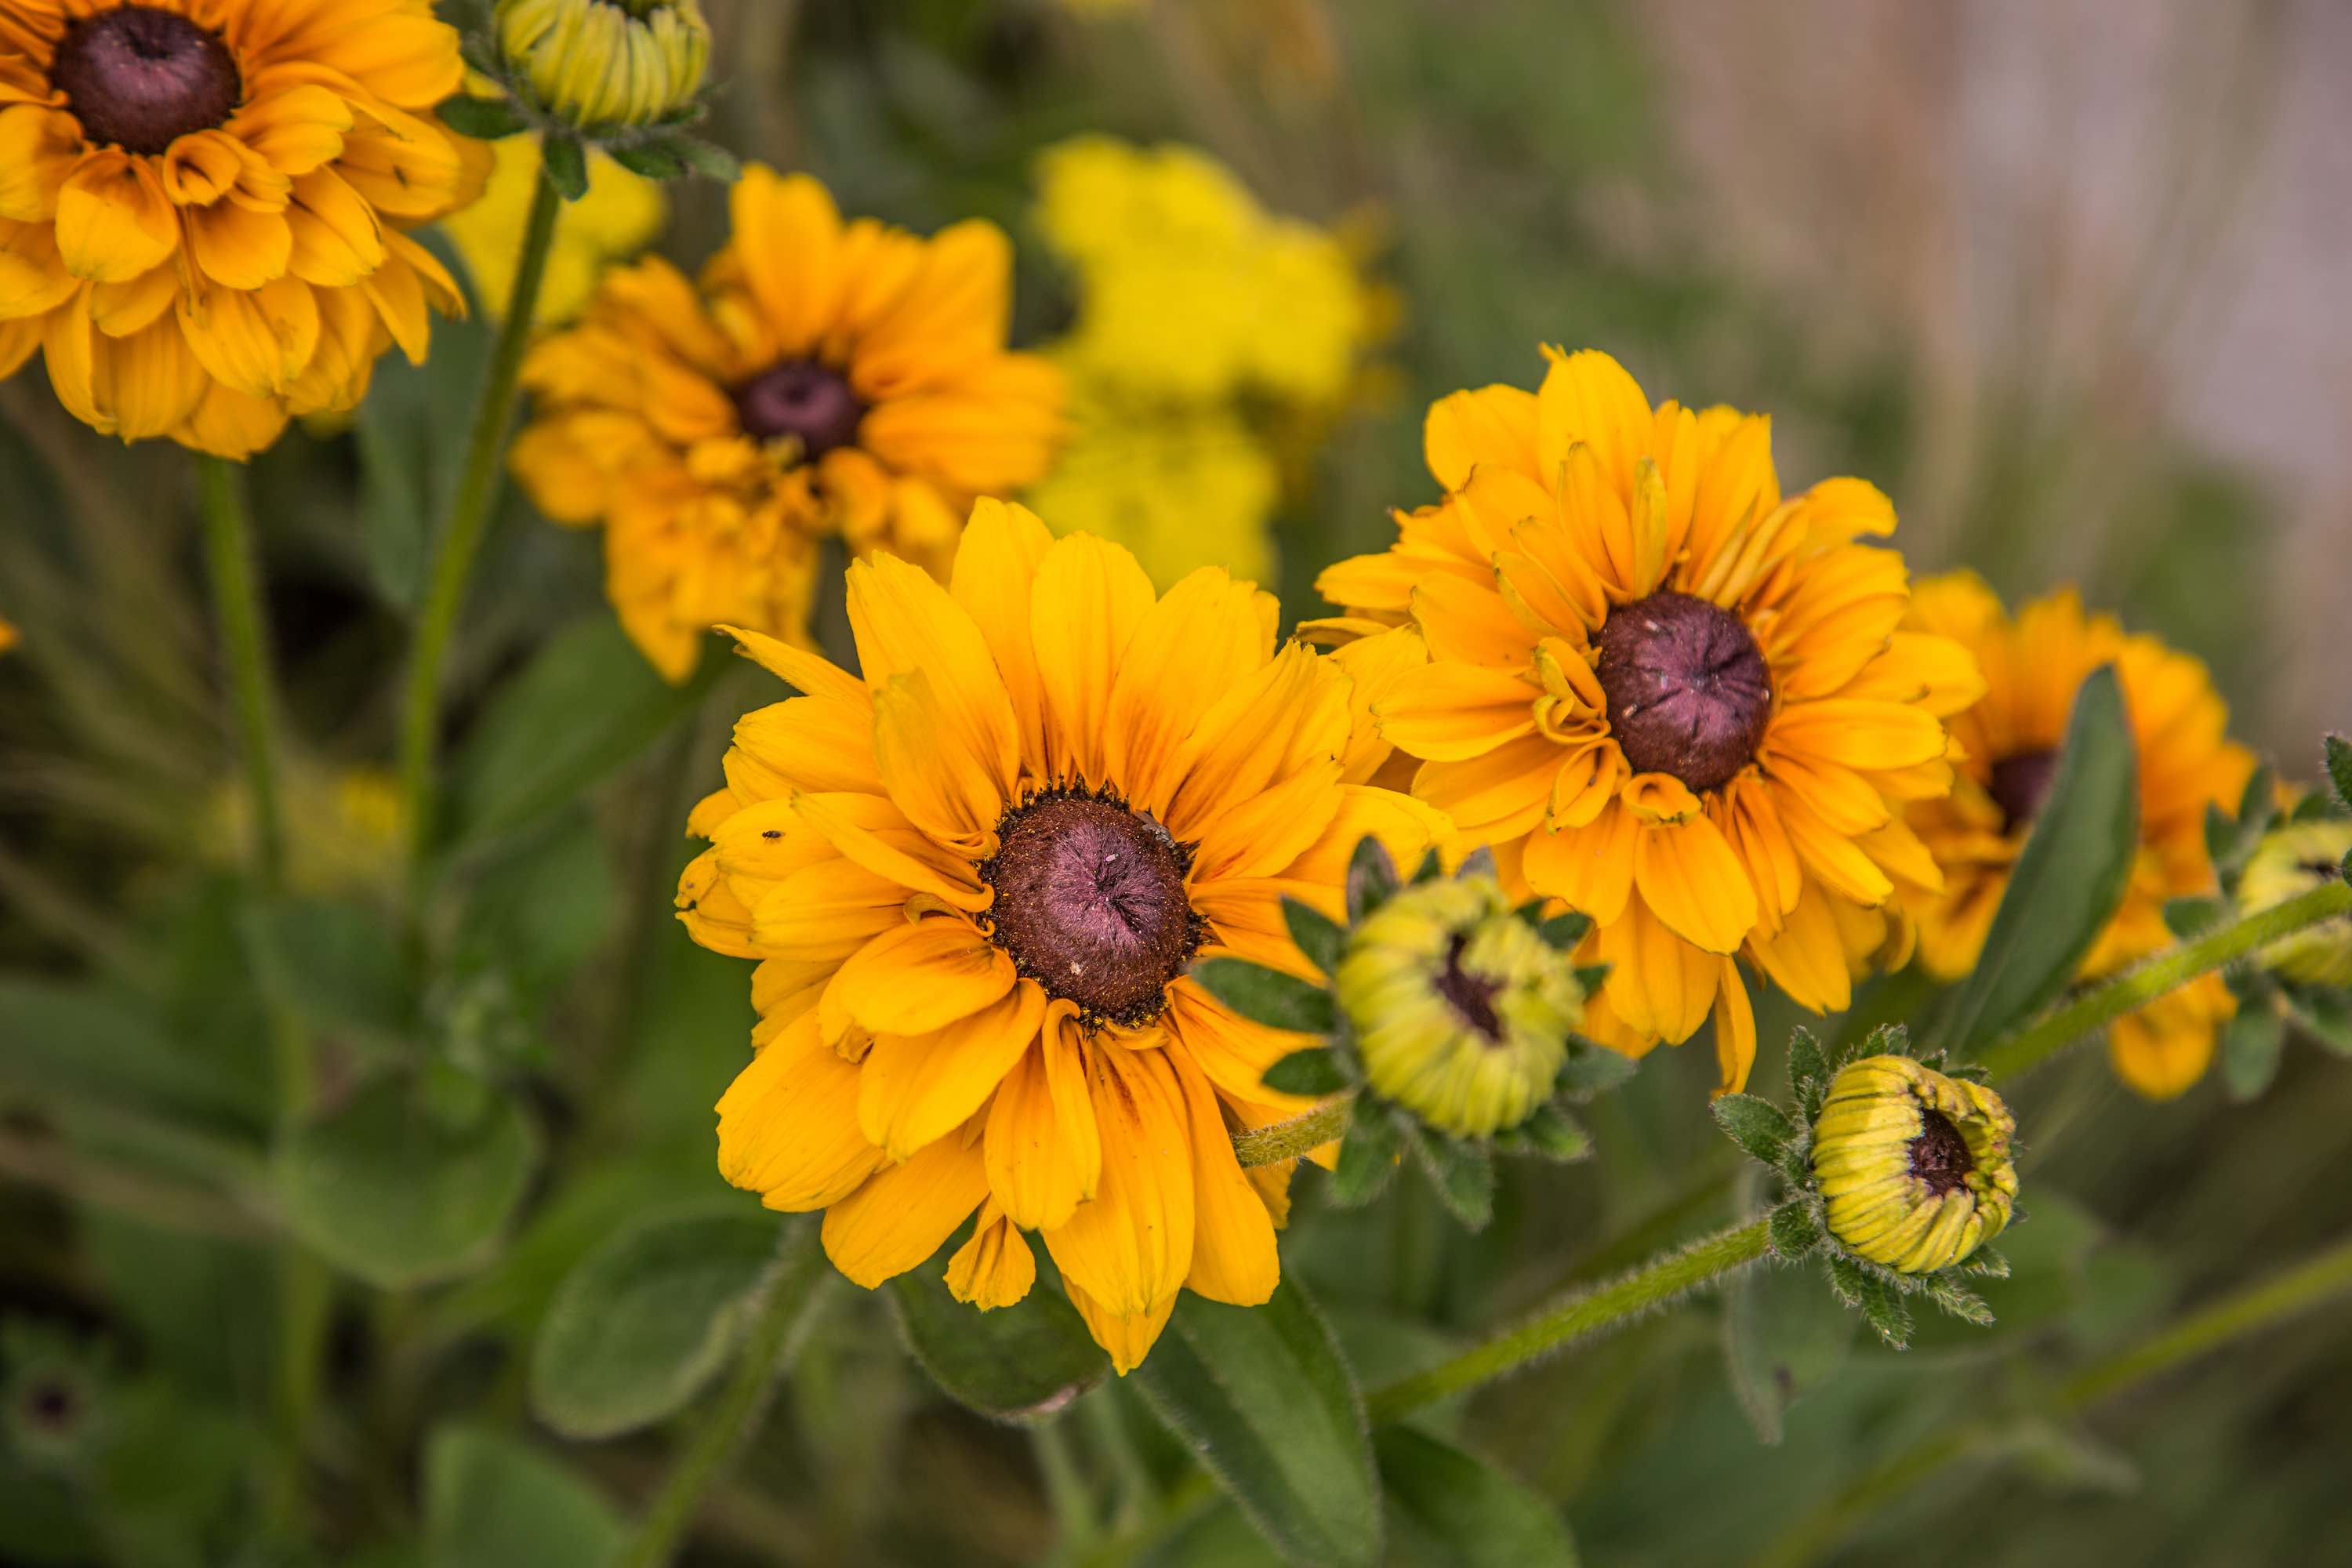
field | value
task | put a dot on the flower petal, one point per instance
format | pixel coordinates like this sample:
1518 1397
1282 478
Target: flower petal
1044 1152
916 1088
1130 1247
922 976
903 1213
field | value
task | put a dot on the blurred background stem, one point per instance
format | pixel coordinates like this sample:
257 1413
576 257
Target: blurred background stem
461 539
236 578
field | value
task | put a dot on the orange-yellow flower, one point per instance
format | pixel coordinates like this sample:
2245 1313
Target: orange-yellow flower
975 875
2032 664
203 205
1669 697
825 378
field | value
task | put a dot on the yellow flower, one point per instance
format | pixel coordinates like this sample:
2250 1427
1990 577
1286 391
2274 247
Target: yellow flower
1914 1166
1461 1011
824 378
1670 698
619 216
1181 485
975 875
2032 665
1188 290
607 62
2291 861
202 206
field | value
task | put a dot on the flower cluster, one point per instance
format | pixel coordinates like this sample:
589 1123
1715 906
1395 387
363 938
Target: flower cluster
1211 340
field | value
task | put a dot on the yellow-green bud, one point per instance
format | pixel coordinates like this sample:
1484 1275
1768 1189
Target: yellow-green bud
1915 1166
607 62
1461 1010
2289 863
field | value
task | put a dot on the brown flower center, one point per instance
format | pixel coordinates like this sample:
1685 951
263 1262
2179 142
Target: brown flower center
805 399
1689 692
140 79
1090 904
1472 996
1939 1156
2020 784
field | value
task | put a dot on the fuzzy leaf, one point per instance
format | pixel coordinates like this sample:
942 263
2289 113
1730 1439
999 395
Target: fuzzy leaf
1987 1264
567 167
1847 1281
1321 940
1563 932
1883 1310
1807 1064
1022 1364
1458 1509
1548 1130
2251 1047
494 1502
655 158
2339 769
1591 1069
1461 1172
2185 917
1263 1397
1267 996
1960 1301
1756 1125
1796 1231
1368 1156
709 159
1782 1338
484 119
1371 879
1316 1071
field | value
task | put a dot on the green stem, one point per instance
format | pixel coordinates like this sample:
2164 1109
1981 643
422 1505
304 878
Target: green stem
236 576
469 519
2298 1290
2029 1047
1065 1489
1580 1316
775 1338
1290 1140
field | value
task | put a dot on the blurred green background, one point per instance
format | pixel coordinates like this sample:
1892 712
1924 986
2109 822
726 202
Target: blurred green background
2063 279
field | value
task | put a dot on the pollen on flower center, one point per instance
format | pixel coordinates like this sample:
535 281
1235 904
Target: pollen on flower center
2019 783
805 399
140 77
1090 904
1470 995
1939 1156
1689 692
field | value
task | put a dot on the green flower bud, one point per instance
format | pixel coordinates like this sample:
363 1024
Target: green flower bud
598 63
1914 1166
2291 862
1460 1008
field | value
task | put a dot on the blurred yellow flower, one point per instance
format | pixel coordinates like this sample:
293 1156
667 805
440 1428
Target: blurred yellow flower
8 634
1668 697
975 874
2009 743
2291 861
342 827
202 206
596 63
1181 485
824 378
619 216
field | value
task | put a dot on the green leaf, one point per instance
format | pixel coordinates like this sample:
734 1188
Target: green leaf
1267 996
2339 769
567 167
485 119
709 159
1960 1301
1783 1337
1757 1126
2325 1016
491 1501
1315 1071
1591 977
1883 1310
2185 917
2250 1047
588 703
1371 879
1265 1399
1368 1155
647 1320
1796 1230
1563 932
1548 1130
1463 1173
1317 936
1023 1362
1449 1508
2070 878
1591 1069
654 158
333 964
382 1189
1808 1069
83 1043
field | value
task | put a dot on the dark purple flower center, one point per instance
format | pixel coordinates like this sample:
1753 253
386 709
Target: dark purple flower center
1689 693
2020 784
805 399
140 79
1472 996
1090 904
1939 1156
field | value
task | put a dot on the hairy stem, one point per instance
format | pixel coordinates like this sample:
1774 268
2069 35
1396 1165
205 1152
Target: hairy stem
775 1338
2027 1048
1290 1140
236 576
461 537
1578 1317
